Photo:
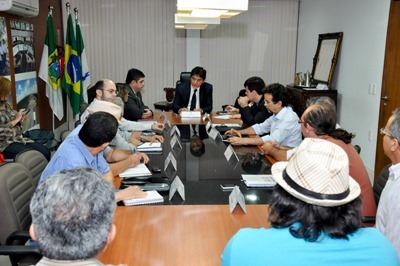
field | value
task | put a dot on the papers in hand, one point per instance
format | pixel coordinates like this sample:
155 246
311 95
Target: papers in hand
139 170
152 197
258 180
150 146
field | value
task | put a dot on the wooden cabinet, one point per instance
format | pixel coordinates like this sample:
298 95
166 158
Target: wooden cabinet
298 97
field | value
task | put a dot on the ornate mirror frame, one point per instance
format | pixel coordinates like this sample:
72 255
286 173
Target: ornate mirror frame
325 59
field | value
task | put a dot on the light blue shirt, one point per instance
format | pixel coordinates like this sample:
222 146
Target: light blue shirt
283 128
366 247
73 153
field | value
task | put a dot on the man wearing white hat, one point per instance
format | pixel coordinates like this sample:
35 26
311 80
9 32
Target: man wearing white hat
388 214
315 217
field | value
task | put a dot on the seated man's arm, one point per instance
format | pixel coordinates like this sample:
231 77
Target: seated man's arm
207 108
178 102
120 160
279 153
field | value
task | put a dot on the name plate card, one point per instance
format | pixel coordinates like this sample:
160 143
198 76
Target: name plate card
175 140
213 133
176 130
177 185
163 115
208 126
170 159
190 114
236 197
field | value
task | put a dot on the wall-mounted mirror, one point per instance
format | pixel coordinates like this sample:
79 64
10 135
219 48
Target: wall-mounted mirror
325 59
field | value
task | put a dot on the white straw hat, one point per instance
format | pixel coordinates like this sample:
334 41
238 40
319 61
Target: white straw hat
318 173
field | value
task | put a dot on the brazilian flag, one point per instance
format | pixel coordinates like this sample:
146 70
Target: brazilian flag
71 81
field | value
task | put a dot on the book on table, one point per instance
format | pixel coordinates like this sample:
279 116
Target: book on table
138 170
152 197
258 180
150 146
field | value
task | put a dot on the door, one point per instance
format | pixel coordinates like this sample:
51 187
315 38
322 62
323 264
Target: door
390 80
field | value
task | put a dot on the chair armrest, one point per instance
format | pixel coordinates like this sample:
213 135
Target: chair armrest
17 236
369 219
20 251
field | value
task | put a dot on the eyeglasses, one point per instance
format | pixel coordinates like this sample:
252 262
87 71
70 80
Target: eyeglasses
111 91
301 122
383 131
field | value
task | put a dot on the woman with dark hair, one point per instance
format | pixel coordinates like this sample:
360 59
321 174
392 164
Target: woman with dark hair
11 140
315 214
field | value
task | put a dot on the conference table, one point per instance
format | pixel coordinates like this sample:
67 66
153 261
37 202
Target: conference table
193 231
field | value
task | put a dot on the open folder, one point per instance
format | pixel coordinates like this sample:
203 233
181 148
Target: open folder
139 170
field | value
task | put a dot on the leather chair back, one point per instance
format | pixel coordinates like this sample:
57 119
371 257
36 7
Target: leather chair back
185 77
34 161
16 190
380 182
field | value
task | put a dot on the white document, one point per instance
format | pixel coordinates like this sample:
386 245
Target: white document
139 170
258 180
225 117
150 146
144 121
236 197
177 185
227 125
190 114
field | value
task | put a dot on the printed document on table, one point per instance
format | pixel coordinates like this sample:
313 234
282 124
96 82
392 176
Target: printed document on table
139 170
258 180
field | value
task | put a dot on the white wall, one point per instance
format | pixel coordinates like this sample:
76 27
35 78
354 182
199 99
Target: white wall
364 26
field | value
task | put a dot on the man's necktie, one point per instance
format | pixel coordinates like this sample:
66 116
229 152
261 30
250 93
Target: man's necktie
193 102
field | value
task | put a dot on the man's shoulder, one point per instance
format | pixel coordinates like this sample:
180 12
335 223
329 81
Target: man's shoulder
206 86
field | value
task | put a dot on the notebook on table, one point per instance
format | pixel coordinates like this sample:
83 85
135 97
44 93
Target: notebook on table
258 180
152 197
136 171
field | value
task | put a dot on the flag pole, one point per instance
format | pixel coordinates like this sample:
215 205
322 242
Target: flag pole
68 6
52 111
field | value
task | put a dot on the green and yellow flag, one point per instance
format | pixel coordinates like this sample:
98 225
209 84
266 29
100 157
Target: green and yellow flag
71 81
49 70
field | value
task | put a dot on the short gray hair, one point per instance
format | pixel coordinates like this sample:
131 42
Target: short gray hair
394 127
72 213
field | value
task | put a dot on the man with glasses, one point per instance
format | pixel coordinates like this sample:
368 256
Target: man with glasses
135 109
282 127
195 95
388 214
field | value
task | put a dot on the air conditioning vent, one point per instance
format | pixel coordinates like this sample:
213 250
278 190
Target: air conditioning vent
23 8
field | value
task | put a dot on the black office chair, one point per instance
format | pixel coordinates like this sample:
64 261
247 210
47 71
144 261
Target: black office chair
378 187
185 77
16 190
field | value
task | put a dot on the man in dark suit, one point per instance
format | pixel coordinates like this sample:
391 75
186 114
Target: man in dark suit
194 96
134 108
251 106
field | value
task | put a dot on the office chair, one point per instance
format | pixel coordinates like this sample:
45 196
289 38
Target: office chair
378 187
16 190
34 161
185 77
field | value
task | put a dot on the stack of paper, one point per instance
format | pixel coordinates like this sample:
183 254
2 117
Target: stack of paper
152 197
139 170
150 146
258 180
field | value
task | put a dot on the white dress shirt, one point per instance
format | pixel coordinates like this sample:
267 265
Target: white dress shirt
388 214
197 98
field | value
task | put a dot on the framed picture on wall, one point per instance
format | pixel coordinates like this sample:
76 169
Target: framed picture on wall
25 72
4 57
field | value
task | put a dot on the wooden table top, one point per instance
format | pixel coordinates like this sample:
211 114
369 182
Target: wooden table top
178 235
